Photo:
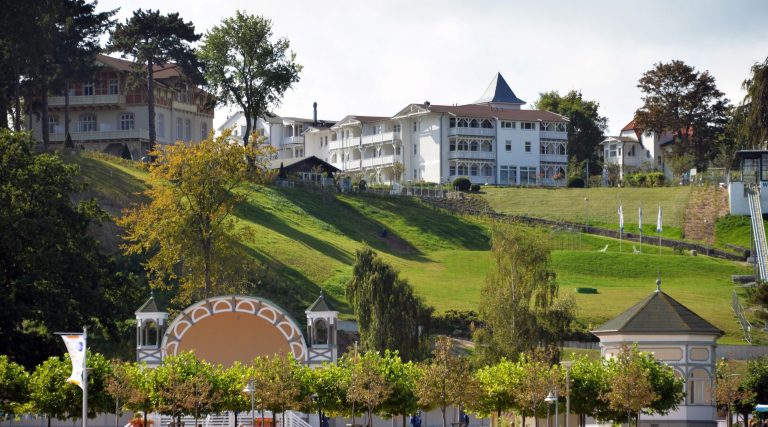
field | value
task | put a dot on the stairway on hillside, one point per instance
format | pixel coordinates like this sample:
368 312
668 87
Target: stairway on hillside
705 205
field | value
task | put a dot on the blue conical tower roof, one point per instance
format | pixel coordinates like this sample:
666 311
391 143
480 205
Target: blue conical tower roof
499 92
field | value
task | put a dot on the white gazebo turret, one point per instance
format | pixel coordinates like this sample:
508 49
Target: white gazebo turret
150 327
321 332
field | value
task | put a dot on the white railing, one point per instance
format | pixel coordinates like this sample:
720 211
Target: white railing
183 106
380 137
58 101
554 158
471 131
293 140
344 143
758 232
379 161
550 134
292 419
480 155
102 135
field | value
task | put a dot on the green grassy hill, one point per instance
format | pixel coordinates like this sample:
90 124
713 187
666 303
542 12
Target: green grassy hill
309 238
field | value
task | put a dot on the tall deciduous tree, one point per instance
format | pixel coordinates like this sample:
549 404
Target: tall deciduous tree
52 275
679 99
519 294
756 102
389 314
500 386
14 387
188 226
631 385
368 385
729 389
153 39
585 125
246 67
538 378
446 380
283 386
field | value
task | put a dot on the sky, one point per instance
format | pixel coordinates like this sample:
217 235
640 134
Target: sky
376 57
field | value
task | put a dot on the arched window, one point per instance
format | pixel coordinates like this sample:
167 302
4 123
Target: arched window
474 123
561 149
463 170
463 146
487 170
474 146
487 146
463 123
321 332
473 170
699 388
150 334
487 124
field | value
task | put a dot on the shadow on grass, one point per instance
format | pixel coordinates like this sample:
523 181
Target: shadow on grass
432 222
353 224
289 287
249 210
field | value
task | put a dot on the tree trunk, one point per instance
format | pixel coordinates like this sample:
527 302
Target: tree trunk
207 266
17 100
151 103
44 117
442 409
66 109
4 109
248 125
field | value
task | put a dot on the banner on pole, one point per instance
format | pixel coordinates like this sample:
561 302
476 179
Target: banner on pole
76 347
658 221
621 219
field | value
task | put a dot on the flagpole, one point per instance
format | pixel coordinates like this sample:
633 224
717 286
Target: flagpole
85 377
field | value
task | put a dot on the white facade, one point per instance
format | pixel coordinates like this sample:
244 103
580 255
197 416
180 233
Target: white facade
105 113
492 141
635 149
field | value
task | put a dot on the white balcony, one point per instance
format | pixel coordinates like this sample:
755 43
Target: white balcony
548 134
183 106
381 138
344 143
379 161
108 135
475 155
79 101
471 131
554 158
293 140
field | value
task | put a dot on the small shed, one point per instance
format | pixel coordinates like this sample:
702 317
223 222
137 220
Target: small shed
677 336
311 168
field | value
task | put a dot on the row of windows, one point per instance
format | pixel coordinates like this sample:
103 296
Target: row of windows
508 175
112 88
468 123
615 151
553 149
471 170
508 146
127 121
462 145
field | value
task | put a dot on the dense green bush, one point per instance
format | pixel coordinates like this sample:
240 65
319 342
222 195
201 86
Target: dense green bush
462 184
475 188
575 182
458 323
645 179
362 185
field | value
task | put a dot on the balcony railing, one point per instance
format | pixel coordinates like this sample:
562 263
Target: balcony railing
549 134
471 131
293 140
554 158
379 161
183 106
58 101
380 138
103 135
344 143
479 155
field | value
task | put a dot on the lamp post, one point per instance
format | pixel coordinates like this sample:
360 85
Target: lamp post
567 365
550 399
250 389
586 217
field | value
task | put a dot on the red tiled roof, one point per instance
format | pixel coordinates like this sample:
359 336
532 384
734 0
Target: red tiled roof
161 71
630 126
485 111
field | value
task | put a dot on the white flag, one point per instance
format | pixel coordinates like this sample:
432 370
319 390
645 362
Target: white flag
76 348
621 219
658 221
640 218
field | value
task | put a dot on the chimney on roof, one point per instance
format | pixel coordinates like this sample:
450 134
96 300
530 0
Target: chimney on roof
426 103
314 116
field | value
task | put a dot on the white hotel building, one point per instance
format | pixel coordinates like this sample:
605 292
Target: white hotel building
490 141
